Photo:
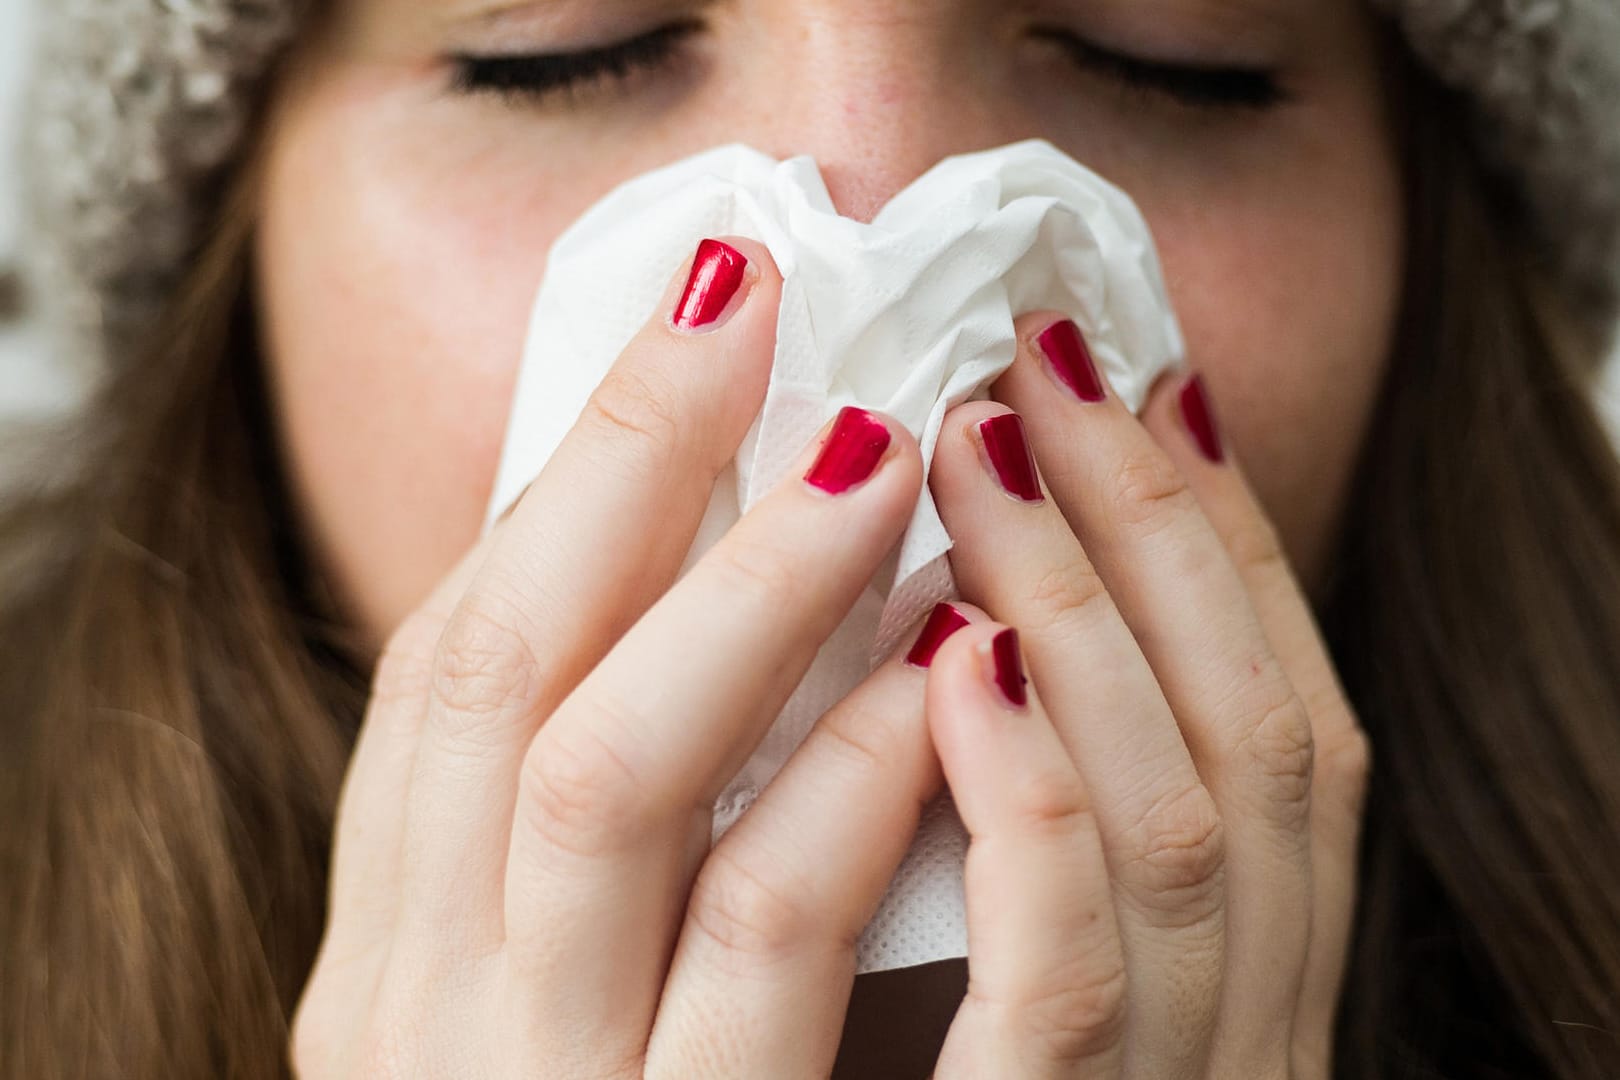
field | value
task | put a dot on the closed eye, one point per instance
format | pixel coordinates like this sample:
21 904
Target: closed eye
538 75
1194 85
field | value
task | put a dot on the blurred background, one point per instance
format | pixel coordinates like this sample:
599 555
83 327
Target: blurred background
28 386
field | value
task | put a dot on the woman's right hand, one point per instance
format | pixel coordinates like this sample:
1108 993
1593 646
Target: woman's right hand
522 883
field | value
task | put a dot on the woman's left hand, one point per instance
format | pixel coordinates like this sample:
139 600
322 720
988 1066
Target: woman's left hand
1161 875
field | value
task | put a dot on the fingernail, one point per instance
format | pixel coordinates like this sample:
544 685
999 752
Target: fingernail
1008 668
717 273
1071 361
1011 461
943 621
851 453
1200 419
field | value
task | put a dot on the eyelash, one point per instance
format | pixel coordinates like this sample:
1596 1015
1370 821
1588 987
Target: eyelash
539 75
1188 84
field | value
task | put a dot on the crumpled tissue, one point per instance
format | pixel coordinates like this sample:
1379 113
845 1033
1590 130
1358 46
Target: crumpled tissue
910 315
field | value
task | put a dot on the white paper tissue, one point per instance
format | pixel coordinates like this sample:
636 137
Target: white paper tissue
910 315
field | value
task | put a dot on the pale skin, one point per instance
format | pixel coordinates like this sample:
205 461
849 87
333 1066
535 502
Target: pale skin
1161 872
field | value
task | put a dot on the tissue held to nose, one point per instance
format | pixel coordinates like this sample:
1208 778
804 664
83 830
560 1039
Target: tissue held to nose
909 315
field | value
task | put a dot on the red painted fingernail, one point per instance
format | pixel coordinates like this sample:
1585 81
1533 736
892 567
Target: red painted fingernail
943 621
1007 447
1009 668
717 273
852 452
1199 417
1071 360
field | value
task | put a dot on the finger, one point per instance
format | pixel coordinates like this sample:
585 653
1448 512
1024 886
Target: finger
600 533
614 809
1046 973
1015 554
1244 723
779 905
1183 420
363 886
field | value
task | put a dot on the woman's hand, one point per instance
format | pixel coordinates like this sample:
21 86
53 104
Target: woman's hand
1161 874
522 881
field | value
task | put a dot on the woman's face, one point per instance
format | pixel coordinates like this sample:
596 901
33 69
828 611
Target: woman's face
407 211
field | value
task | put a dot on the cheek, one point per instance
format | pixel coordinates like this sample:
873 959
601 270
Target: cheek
395 303
1288 301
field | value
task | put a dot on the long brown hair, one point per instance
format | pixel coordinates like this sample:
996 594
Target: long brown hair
177 705
178 695
1475 620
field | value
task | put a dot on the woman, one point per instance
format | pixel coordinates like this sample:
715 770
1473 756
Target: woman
308 242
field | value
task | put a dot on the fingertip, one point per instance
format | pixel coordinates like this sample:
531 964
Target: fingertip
987 745
720 278
1180 414
1031 324
857 447
966 417
959 685
932 631
903 444
956 463
760 260
1158 407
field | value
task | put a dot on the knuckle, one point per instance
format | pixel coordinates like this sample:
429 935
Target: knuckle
1062 595
1343 767
404 670
1179 856
752 568
483 671
1052 804
580 796
1084 1018
1145 488
1080 1015
755 917
1280 747
857 738
635 414
1255 546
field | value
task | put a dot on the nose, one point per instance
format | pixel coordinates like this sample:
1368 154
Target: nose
878 91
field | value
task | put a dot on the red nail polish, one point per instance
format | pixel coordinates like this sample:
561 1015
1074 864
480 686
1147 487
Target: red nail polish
852 451
1009 668
1071 360
1007 447
717 273
943 621
1200 419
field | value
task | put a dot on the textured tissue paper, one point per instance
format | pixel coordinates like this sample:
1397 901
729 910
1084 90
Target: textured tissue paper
910 315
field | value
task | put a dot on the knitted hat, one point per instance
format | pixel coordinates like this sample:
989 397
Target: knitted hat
141 104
